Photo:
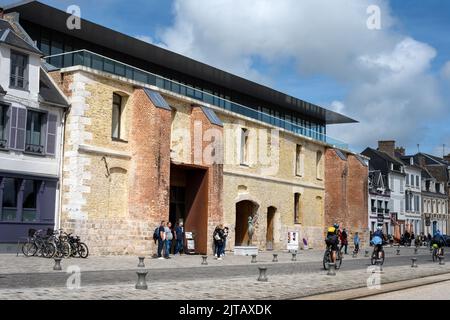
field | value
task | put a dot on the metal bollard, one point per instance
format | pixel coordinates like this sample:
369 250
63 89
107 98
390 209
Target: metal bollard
416 250
354 254
141 262
57 266
204 262
262 274
331 269
294 256
253 258
366 254
441 260
414 264
398 252
142 283
275 257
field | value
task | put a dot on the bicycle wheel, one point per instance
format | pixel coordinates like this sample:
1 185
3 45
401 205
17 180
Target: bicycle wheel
373 259
66 250
49 250
338 260
29 249
381 256
326 260
83 250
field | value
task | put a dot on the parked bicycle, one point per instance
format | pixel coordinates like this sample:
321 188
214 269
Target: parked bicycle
38 244
78 248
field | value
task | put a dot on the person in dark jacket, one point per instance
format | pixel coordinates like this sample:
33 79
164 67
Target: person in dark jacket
219 238
344 240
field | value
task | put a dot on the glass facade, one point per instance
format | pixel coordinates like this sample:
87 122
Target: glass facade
52 44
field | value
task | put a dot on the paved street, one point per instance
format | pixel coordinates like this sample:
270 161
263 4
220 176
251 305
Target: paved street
233 278
437 291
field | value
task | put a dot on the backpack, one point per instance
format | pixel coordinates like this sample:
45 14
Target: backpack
156 234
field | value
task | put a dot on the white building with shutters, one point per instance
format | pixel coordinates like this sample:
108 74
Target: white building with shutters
32 113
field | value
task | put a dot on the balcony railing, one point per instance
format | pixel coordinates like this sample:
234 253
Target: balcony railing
95 61
374 209
34 148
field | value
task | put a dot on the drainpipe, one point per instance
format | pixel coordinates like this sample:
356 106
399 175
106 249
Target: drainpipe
61 165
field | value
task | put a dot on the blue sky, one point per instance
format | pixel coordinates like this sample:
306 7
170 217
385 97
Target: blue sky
183 26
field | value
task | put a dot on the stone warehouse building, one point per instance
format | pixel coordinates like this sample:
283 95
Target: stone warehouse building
152 135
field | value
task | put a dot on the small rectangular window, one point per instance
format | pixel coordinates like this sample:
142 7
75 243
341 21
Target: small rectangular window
30 190
116 116
34 142
9 201
319 165
19 63
298 161
244 146
297 208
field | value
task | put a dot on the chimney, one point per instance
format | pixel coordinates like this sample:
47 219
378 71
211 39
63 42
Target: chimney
387 147
447 158
401 151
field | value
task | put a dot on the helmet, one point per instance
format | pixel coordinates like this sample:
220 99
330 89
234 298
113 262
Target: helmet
336 226
331 230
435 246
379 228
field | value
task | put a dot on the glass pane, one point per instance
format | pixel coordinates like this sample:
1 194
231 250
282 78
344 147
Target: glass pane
9 214
29 215
11 186
2 122
29 194
115 121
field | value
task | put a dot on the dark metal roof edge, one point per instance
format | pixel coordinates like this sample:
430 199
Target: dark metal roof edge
329 116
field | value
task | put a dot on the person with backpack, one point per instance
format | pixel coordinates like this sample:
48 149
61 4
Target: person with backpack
161 238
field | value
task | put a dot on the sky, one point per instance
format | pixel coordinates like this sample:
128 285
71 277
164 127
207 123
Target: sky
394 80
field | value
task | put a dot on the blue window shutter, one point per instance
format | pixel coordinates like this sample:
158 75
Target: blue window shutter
13 126
51 133
21 128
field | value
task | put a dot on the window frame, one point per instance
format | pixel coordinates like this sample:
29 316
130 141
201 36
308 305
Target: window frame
299 160
118 105
43 131
4 136
245 133
14 71
297 209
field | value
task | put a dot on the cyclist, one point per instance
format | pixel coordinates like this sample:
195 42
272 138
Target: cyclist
438 241
332 241
377 240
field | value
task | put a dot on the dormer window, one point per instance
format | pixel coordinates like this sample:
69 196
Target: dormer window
18 78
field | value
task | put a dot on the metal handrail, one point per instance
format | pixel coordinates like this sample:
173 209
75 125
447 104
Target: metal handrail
88 59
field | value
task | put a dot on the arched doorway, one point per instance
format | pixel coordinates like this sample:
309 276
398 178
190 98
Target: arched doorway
270 237
244 209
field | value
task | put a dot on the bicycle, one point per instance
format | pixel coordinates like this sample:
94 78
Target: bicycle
60 240
327 259
38 244
77 247
437 252
377 254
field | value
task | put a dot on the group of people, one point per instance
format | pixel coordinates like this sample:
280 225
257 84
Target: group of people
167 236
220 236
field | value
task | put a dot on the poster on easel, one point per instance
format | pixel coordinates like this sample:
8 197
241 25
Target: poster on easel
190 243
292 244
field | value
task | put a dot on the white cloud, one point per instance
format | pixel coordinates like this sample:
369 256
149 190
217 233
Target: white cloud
445 72
145 38
391 89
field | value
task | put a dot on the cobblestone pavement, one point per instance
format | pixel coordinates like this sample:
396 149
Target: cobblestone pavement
294 286
437 291
232 278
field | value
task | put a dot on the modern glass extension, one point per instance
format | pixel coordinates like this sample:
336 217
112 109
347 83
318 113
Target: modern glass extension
95 61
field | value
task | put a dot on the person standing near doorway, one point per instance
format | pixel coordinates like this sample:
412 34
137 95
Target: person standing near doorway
226 231
169 238
179 236
161 239
344 240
